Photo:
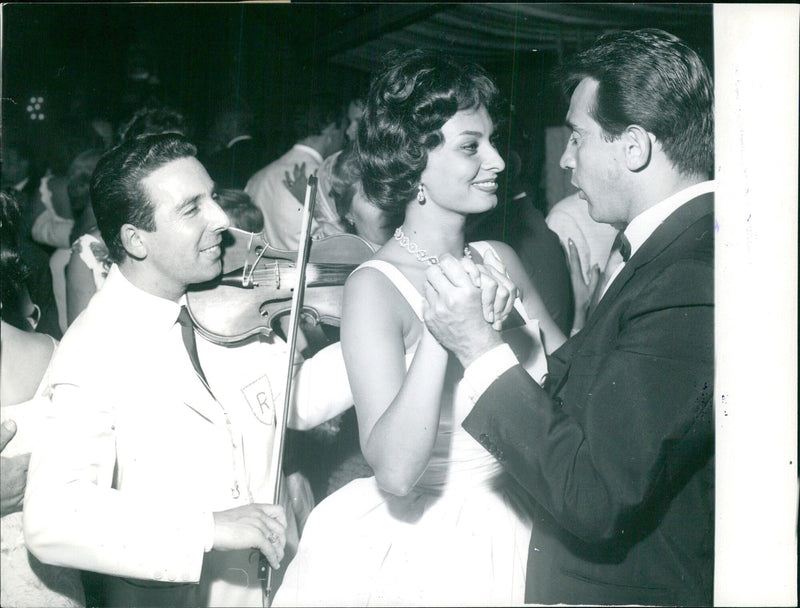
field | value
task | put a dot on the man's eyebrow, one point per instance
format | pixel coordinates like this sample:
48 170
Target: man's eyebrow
473 133
191 201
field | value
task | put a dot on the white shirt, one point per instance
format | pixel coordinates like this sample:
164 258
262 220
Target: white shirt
487 368
645 224
137 454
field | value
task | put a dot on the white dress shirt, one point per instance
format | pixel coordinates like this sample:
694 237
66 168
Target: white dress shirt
645 224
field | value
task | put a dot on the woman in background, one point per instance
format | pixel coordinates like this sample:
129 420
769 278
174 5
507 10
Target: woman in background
340 177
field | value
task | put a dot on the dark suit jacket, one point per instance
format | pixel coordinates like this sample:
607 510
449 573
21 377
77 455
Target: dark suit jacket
543 258
617 449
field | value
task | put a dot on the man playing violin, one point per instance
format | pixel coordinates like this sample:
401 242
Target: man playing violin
155 464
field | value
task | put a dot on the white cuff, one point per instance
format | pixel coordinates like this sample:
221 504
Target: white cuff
487 368
209 534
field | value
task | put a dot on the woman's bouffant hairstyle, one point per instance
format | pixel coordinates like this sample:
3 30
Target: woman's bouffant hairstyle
652 79
13 271
408 102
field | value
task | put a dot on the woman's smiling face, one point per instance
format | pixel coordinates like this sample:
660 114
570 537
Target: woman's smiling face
462 172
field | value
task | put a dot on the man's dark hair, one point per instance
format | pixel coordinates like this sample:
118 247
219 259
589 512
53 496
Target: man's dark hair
153 120
321 111
652 79
235 117
116 190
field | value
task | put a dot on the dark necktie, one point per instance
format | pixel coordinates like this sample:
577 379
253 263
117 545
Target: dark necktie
623 244
619 254
187 332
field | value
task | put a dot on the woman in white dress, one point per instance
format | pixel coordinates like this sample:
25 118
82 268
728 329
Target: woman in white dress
439 523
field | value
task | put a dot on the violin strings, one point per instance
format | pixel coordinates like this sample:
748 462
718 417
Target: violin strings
315 274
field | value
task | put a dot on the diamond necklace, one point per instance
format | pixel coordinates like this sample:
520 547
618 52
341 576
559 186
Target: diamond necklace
421 255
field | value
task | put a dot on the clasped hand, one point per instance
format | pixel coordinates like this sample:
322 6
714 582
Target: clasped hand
13 473
466 304
255 526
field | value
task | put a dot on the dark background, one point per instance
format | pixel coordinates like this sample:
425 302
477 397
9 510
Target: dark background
106 60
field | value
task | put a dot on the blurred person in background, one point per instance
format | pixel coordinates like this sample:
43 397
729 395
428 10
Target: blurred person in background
20 177
235 152
320 128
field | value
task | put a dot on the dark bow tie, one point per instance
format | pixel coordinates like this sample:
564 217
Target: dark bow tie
623 245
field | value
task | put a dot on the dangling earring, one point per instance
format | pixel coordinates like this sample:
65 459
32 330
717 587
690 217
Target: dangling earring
421 195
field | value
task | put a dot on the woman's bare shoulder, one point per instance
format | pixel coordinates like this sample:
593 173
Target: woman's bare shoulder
503 250
25 357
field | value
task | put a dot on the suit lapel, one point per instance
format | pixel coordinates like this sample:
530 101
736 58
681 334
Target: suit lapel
198 398
663 236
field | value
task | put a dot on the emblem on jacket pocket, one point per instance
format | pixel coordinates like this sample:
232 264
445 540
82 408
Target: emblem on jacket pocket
260 398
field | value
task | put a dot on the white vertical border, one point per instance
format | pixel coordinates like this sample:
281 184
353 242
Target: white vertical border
756 81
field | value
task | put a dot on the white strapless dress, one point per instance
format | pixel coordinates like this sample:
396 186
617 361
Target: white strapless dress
459 538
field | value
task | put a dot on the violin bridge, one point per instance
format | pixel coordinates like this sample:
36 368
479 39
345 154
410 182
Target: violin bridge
247 276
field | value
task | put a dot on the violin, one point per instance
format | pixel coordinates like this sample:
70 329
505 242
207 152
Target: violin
255 289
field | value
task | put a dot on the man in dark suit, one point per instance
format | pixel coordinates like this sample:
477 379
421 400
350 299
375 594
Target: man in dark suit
617 449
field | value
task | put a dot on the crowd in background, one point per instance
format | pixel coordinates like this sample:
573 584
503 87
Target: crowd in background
48 172
57 259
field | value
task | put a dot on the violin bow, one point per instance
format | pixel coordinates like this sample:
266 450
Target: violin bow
264 571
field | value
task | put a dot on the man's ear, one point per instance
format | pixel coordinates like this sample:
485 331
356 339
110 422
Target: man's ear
132 241
638 147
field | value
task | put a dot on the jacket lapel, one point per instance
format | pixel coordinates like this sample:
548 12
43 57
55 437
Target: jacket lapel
663 236
198 398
